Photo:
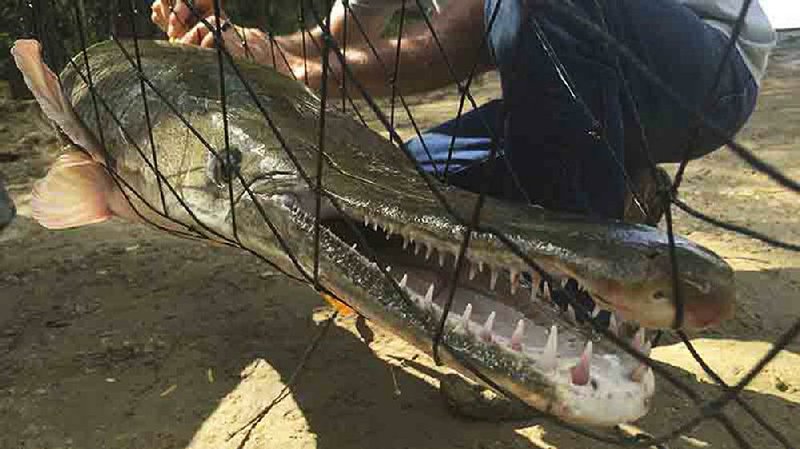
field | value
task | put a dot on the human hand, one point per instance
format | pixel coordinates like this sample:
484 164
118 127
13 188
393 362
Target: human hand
177 18
196 25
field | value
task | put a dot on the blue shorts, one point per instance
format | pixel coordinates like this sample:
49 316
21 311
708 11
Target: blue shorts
557 158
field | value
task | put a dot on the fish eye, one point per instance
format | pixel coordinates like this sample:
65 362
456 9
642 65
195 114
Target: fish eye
223 167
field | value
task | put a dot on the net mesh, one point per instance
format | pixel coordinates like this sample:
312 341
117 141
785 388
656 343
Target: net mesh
73 27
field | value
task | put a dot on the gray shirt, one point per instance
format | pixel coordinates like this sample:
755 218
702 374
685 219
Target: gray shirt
755 42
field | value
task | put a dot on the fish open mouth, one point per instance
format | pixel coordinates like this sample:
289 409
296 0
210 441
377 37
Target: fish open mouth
510 321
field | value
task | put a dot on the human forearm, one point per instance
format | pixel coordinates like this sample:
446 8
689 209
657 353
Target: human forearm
422 66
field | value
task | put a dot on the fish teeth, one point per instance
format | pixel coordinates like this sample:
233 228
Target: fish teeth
493 280
571 314
366 221
428 251
638 373
480 266
465 317
429 294
581 373
405 242
404 281
514 276
417 247
518 335
638 340
613 327
388 268
472 272
548 360
374 225
546 291
441 258
595 312
486 332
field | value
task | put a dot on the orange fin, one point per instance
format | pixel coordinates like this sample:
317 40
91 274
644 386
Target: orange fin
339 306
44 85
73 193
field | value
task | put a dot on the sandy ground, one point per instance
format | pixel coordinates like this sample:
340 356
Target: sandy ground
113 336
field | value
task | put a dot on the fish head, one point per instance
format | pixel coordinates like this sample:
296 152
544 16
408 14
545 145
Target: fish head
630 270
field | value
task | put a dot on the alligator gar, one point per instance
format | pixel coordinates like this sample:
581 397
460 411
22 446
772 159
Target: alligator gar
503 321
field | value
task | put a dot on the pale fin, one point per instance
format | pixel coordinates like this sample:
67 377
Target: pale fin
74 193
44 85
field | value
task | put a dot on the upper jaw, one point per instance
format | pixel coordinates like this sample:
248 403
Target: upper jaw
548 369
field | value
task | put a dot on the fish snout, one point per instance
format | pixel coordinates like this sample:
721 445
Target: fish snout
708 312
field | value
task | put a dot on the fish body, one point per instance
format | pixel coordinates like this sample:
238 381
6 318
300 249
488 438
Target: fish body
502 322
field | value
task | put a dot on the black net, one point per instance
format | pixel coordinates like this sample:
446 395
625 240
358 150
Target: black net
66 29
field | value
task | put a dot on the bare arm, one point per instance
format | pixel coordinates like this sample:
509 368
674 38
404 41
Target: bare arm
459 28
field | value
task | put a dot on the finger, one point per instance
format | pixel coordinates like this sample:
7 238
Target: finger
208 41
195 35
232 41
180 20
159 14
200 33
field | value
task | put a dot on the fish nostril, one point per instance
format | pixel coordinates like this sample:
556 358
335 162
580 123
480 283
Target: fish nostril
225 165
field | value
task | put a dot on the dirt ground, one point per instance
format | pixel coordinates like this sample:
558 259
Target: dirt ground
115 336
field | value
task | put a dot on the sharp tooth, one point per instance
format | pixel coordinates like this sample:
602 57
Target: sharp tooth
374 225
388 233
546 292
548 361
405 243
595 312
455 260
417 247
472 271
465 316
428 252
516 337
514 281
564 282
571 314
480 266
486 332
388 268
612 324
493 280
404 281
429 294
581 373
638 339
354 245
441 258
366 221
